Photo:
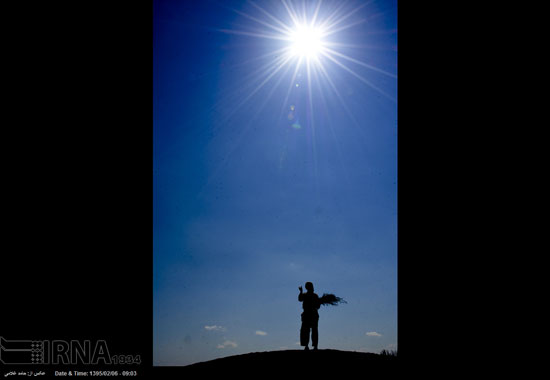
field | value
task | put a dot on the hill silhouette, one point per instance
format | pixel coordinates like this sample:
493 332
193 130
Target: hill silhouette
297 362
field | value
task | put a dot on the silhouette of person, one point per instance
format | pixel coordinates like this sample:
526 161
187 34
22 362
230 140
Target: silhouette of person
310 316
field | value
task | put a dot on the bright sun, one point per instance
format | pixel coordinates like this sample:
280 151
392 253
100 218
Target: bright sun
306 41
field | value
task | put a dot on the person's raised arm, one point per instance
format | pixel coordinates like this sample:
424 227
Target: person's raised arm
300 296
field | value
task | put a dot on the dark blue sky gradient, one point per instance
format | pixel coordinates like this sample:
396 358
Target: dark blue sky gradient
251 201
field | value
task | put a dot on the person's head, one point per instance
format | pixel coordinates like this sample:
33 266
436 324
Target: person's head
309 286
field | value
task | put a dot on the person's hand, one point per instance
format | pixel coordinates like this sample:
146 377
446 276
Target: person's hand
300 289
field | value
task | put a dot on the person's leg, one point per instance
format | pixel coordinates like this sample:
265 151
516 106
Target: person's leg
304 335
314 336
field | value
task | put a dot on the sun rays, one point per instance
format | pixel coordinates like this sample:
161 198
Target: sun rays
306 34
310 49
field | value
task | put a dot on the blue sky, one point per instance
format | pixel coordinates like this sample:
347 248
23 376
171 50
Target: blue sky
269 173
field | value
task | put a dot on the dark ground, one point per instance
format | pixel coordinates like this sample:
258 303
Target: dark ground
297 362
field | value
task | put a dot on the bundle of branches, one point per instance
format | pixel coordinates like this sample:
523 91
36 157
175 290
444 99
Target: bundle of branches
331 299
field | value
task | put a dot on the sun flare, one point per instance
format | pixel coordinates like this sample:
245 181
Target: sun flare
306 41
310 46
